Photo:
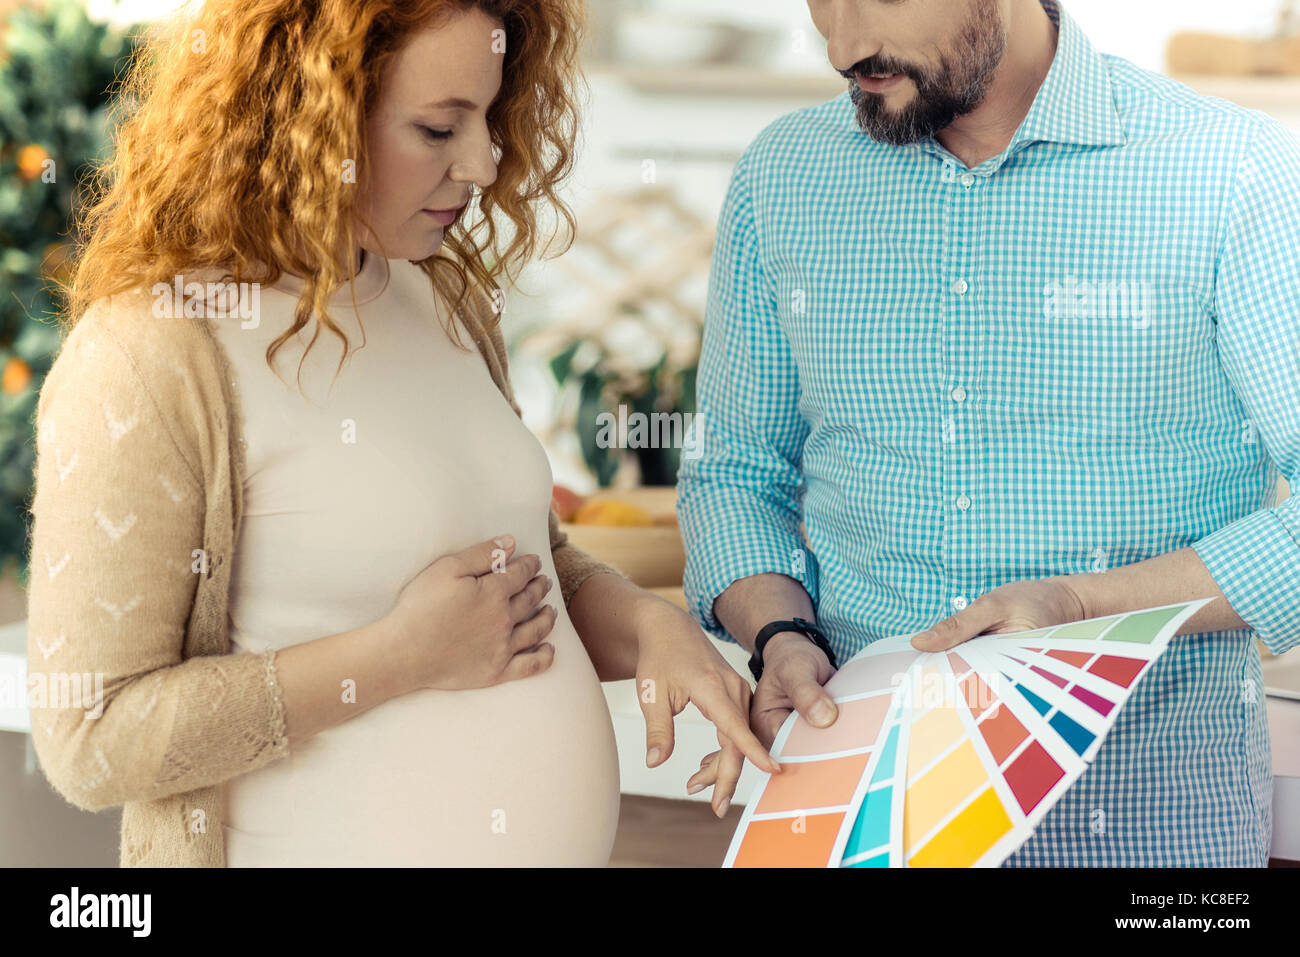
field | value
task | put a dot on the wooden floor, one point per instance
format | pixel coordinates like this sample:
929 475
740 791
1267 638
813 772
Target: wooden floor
657 832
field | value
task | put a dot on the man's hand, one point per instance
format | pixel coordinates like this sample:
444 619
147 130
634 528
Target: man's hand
677 664
1017 606
794 670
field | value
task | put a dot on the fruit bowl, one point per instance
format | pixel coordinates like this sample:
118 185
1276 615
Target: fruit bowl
649 552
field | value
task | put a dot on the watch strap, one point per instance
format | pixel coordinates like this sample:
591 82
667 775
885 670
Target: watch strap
774 628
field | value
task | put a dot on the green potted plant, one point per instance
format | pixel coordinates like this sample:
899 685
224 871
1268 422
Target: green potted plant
611 386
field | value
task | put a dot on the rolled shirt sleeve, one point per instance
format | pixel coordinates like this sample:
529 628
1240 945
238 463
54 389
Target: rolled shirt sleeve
1256 560
740 483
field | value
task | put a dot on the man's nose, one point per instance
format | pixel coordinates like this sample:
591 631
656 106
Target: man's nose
851 35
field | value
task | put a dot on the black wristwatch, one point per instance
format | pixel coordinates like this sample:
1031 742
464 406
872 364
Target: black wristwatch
806 628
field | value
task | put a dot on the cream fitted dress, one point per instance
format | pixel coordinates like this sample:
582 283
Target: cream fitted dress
413 453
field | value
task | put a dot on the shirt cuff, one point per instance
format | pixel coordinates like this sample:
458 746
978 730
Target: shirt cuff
1252 561
734 553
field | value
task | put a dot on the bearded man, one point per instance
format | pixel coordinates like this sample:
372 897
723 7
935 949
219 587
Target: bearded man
1006 336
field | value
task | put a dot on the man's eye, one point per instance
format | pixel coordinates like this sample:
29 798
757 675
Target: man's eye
435 134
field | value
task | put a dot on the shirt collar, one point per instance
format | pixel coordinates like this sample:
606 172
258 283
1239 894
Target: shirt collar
1076 103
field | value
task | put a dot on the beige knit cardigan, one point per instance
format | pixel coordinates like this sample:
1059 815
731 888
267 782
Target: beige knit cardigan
137 506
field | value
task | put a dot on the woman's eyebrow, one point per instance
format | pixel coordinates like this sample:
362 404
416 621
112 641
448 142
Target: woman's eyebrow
459 103
451 103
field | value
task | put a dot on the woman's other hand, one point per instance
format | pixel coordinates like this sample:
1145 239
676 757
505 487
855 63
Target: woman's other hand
677 664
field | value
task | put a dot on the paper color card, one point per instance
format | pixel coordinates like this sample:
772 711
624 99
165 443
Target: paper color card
867 837
948 759
795 816
989 771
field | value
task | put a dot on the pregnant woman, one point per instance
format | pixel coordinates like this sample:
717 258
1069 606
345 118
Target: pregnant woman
288 525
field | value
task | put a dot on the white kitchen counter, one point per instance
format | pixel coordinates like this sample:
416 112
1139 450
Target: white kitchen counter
13 677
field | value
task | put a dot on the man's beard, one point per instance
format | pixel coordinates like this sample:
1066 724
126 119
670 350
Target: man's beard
954 88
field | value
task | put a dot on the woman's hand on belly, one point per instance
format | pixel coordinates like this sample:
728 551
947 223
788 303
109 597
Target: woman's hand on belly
471 620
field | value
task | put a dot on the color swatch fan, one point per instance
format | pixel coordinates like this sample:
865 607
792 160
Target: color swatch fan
948 759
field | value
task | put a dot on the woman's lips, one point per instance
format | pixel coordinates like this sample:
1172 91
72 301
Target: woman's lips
871 84
443 217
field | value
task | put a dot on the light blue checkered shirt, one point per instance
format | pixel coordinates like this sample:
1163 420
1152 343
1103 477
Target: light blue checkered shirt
1080 354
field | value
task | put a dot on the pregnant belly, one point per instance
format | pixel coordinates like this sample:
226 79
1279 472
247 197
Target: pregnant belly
523 773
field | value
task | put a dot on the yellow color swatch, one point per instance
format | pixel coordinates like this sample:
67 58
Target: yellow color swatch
968 836
939 790
931 735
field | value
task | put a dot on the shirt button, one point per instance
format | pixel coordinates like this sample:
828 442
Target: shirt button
960 287
968 180
963 502
959 602
958 394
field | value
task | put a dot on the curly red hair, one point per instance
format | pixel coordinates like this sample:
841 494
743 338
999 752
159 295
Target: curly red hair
234 121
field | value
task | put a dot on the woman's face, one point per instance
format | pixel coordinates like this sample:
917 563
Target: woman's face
428 135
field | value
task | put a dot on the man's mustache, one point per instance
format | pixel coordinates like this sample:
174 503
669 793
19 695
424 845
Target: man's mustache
878 66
